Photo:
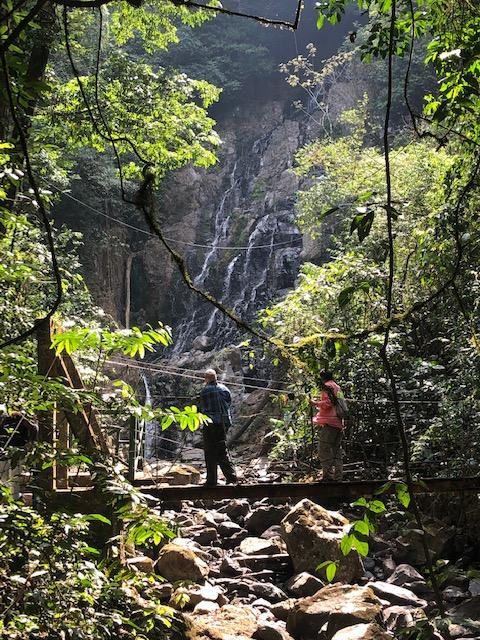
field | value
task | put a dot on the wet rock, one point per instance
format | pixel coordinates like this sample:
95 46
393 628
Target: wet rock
205 606
395 594
179 563
271 631
303 585
141 563
370 631
202 343
313 535
335 606
262 518
258 546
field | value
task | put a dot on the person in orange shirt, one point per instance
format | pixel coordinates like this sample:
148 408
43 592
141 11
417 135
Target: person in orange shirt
331 428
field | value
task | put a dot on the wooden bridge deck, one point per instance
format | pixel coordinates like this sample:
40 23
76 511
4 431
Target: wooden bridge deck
315 490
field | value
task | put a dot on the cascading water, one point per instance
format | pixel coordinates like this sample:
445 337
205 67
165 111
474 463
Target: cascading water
257 222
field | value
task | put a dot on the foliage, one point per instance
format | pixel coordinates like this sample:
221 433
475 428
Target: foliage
54 582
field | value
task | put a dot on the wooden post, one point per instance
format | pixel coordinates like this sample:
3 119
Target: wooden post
46 364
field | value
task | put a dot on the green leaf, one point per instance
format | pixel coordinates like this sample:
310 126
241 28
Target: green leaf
346 544
403 494
330 571
97 516
362 527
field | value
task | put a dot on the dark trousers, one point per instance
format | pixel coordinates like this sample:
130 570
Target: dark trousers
216 453
330 452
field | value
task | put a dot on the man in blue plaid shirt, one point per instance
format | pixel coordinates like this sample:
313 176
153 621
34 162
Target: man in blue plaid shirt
215 402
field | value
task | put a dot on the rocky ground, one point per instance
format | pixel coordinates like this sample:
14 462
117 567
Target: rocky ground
241 570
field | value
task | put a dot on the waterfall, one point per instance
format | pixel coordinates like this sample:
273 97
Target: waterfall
257 222
151 426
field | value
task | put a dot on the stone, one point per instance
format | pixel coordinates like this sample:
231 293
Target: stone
177 474
262 518
303 585
199 593
271 631
266 590
228 528
141 563
230 567
205 536
400 617
406 576
454 594
313 535
261 603
179 563
228 623
395 594
467 610
336 606
236 509
202 343
369 631
206 606
281 609
258 546
474 587
275 531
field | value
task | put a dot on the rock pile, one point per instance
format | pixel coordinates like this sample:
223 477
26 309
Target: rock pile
252 575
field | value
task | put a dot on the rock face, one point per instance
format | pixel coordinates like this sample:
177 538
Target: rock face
313 535
179 563
337 607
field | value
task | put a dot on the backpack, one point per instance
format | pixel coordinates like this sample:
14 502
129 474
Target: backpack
339 402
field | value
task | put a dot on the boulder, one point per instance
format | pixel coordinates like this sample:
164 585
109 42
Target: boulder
229 567
228 623
335 606
281 609
141 563
266 590
202 593
468 610
236 509
454 595
258 546
271 631
177 474
262 518
474 587
206 536
369 631
401 617
406 576
275 531
303 585
176 562
313 535
205 606
228 528
395 594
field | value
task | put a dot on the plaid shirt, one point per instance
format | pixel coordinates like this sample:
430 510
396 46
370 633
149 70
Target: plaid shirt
215 401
